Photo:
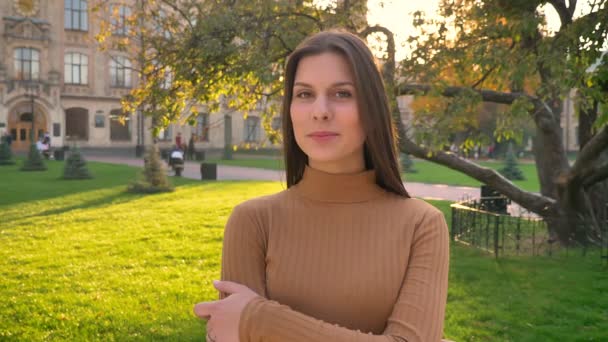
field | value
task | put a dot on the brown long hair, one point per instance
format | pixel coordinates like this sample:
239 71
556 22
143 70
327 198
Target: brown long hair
380 149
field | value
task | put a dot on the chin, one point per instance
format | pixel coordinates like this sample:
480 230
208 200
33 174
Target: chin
320 154
324 158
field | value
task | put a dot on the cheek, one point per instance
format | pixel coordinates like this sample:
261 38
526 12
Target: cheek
350 118
298 116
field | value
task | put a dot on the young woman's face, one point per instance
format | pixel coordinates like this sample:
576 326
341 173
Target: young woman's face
325 115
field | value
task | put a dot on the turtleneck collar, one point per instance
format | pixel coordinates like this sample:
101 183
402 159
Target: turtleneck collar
338 188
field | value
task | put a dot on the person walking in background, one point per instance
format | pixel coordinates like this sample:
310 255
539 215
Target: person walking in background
344 254
191 148
47 140
43 147
178 141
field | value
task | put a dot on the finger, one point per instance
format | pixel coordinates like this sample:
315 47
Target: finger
228 287
204 309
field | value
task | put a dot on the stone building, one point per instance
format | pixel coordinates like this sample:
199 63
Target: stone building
54 79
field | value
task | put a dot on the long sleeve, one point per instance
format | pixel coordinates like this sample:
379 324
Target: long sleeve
417 315
243 252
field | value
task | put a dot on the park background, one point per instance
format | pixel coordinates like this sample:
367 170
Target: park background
91 259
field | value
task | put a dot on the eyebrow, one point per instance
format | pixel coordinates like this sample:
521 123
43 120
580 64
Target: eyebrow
337 84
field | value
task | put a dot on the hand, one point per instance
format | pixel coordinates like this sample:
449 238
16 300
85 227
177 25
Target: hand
223 316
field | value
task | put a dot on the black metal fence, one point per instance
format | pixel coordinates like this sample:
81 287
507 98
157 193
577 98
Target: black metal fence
476 223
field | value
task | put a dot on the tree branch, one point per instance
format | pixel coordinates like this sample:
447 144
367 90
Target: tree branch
316 20
490 71
390 40
589 20
597 175
389 66
486 95
542 113
538 204
177 9
589 153
484 77
565 17
572 7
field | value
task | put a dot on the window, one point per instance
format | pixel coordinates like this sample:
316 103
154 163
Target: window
167 79
164 133
120 126
252 127
56 129
75 15
27 64
260 105
161 22
120 18
120 72
100 120
202 127
77 123
75 68
276 123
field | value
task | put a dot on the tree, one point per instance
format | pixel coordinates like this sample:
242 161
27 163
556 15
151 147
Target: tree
511 170
34 161
499 52
154 176
76 166
231 54
6 155
407 164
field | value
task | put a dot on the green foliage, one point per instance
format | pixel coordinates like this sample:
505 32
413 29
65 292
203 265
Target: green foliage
407 164
511 124
6 155
502 46
154 176
76 166
511 170
225 56
34 161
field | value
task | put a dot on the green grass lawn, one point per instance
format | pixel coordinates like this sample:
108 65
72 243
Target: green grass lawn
83 260
427 172
260 163
437 174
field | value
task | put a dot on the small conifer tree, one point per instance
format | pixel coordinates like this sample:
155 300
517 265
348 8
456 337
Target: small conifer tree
154 176
407 164
6 156
34 161
511 170
76 166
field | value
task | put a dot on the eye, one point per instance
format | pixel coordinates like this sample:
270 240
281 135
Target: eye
303 94
343 94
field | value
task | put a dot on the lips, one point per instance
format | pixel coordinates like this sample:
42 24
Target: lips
323 137
322 134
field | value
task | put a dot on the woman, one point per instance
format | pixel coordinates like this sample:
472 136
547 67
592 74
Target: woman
344 254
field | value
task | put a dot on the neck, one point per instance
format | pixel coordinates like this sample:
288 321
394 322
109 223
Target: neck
323 186
349 165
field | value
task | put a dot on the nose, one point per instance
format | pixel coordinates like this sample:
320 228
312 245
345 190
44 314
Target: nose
321 110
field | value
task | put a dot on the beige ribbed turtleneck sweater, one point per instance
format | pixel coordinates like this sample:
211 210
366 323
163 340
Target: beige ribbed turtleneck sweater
337 258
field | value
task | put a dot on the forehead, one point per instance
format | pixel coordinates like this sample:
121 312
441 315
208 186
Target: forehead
324 68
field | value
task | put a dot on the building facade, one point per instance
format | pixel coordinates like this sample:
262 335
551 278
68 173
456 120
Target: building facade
54 79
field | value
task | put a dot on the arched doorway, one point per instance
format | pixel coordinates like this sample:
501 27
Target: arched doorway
21 121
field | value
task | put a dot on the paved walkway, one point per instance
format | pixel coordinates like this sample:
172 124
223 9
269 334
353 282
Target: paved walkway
192 170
